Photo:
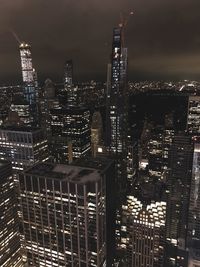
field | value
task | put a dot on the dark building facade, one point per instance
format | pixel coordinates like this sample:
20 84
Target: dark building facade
73 125
178 197
117 107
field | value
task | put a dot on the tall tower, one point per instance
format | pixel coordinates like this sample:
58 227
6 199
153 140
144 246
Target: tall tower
178 191
117 107
29 78
69 89
68 73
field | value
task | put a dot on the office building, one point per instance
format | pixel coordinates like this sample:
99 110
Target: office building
21 106
68 214
73 124
23 147
143 223
144 232
10 251
60 149
155 152
178 197
193 119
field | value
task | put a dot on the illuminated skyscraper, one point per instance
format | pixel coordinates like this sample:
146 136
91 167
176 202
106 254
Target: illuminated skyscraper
117 107
10 252
68 215
29 78
144 232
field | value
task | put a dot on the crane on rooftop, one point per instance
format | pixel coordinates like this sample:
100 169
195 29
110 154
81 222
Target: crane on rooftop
124 19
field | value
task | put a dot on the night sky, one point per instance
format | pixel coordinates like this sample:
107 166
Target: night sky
163 37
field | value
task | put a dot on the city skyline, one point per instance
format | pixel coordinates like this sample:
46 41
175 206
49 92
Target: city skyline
99 166
162 37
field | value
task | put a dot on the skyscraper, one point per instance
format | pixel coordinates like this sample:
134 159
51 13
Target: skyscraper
10 251
72 124
68 73
47 101
69 89
193 242
29 78
144 232
117 107
178 197
67 214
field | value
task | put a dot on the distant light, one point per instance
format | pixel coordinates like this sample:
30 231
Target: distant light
100 149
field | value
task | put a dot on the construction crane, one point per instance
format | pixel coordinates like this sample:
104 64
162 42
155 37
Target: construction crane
123 23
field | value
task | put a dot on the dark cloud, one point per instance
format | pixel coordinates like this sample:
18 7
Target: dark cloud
163 37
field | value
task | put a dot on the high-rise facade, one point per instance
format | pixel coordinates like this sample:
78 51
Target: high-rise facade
178 197
29 82
193 118
96 132
73 124
67 214
10 251
21 106
47 101
144 232
118 108
23 147
193 237
69 89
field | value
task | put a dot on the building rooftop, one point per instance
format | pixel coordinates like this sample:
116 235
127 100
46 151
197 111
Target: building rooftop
70 173
19 128
98 163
